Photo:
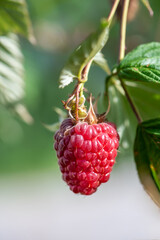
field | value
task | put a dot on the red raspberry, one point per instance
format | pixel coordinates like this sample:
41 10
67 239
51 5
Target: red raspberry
86 154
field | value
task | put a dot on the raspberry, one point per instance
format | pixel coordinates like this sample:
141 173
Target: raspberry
86 154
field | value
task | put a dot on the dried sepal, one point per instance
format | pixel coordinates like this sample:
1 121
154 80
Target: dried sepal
91 116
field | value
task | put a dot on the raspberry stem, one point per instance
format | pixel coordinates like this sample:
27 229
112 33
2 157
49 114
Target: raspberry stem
85 71
112 12
139 119
122 54
77 102
123 30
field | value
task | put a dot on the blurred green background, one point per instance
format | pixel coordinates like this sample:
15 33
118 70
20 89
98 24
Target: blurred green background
59 26
35 204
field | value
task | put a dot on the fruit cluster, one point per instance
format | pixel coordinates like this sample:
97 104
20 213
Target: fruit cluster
86 154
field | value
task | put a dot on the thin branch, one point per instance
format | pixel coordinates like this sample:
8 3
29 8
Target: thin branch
123 30
147 5
113 10
122 54
130 102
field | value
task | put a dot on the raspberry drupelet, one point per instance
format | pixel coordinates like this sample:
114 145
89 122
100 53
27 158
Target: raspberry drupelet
86 154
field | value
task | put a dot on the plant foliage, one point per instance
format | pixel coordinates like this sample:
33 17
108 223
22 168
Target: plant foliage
14 18
84 54
142 64
11 70
147 156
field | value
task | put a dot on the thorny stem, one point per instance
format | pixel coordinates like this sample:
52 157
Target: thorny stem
113 10
130 102
123 30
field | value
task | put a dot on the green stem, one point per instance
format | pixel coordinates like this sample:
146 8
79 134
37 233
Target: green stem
112 12
123 30
122 54
147 5
84 73
81 89
130 102
77 101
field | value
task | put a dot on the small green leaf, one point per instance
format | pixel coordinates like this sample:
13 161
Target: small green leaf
11 70
14 18
142 64
147 157
84 55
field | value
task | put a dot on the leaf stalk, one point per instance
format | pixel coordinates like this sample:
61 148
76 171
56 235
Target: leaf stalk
130 102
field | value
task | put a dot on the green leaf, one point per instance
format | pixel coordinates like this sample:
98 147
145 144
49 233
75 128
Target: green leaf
147 157
14 18
142 64
11 70
84 55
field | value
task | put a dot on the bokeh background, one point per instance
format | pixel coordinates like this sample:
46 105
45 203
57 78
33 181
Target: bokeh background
35 204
